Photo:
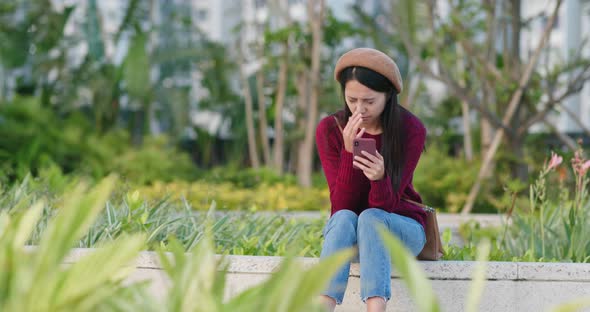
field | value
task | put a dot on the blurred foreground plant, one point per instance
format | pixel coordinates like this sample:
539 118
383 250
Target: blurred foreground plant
198 283
34 279
421 291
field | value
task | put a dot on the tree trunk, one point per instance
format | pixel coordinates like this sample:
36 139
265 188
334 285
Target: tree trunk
2 76
305 158
138 127
279 104
281 8
519 170
250 129
515 32
467 146
487 130
413 88
303 92
487 134
262 122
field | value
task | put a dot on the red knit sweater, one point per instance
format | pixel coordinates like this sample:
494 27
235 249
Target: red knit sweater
350 189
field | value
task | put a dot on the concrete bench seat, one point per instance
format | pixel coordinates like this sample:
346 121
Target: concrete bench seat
511 286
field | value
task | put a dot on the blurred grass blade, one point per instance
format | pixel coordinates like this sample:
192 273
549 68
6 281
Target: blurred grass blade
316 279
27 224
479 276
279 282
413 275
574 305
105 266
38 280
194 277
290 288
74 219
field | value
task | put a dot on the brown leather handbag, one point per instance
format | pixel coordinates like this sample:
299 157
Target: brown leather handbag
433 249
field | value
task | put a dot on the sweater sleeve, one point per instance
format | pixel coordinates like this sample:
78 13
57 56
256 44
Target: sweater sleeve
381 194
337 167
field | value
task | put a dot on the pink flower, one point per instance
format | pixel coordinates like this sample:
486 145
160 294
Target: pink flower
555 161
584 167
580 164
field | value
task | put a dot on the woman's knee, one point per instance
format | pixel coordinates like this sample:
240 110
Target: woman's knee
342 221
370 218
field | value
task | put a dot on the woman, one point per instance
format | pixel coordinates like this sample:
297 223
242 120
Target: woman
372 195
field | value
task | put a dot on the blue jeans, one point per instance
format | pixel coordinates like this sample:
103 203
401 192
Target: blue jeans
345 229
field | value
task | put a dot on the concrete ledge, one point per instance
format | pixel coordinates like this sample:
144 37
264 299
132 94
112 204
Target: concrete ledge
438 270
511 286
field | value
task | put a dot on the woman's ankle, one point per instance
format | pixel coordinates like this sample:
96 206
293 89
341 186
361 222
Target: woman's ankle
328 302
376 304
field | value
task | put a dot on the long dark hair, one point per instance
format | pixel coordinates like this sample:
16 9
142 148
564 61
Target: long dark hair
392 143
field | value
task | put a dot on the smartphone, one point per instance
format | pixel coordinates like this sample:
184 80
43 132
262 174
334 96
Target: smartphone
363 144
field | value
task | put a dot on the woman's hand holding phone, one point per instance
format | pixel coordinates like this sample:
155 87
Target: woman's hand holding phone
372 165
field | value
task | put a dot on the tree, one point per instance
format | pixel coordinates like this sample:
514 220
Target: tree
248 107
28 33
507 91
281 7
315 13
261 96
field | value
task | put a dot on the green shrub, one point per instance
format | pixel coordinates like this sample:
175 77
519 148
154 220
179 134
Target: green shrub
34 138
275 197
247 177
161 219
444 181
551 226
155 161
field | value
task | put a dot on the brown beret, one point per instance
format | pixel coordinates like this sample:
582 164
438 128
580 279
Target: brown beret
374 60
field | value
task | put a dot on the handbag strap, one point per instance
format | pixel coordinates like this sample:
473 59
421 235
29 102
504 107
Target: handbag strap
425 207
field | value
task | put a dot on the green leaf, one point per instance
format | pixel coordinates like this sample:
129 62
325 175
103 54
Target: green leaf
27 224
412 274
479 276
137 68
316 279
94 32
73 220
574 305
99 271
